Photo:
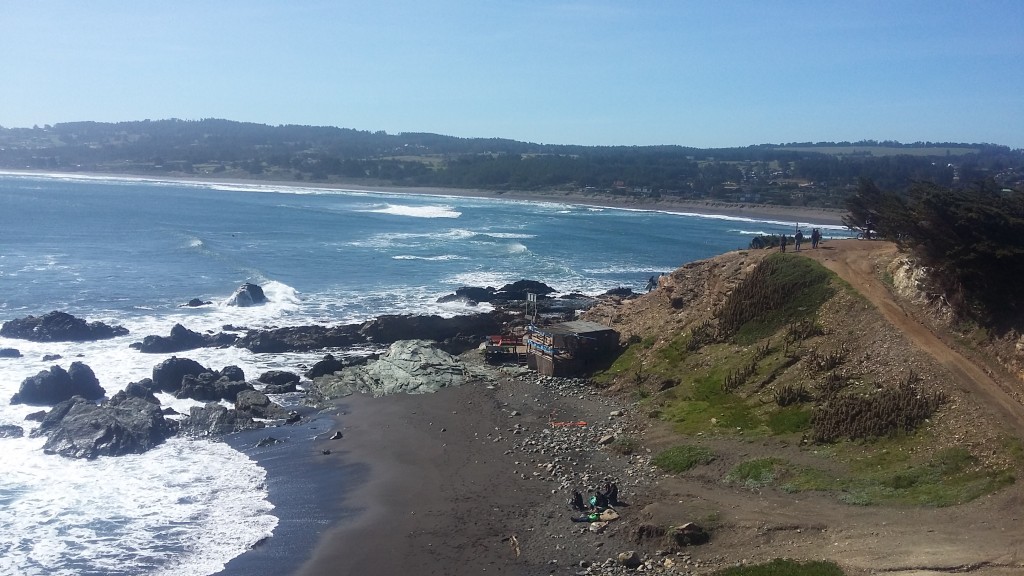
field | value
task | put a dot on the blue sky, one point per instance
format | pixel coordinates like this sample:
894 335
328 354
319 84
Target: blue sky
702 73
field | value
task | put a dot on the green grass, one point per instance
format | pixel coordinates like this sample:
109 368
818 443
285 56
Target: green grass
789 420
756 473
785 567
885 473
679 459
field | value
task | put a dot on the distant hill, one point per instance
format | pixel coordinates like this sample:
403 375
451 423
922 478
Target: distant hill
805 174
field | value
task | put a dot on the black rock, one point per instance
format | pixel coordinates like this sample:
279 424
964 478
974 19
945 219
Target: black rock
247 295
391 328
232 373
258 405
196 302
10 353
329 365
51 357
280 388
80 429
182 339
136 390
35 416
167 375
56 385
215 420
59 327
301 338
279 381
11 431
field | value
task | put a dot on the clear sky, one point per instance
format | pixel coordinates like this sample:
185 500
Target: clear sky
695 73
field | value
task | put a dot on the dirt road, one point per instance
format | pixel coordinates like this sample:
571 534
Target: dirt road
856 261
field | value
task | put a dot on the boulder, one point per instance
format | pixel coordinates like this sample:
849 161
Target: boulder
11 431
248 294
210 387
56 385
142 390
85 430
51 357
280 388
279 378
519 289
35 416
10 353
59 327
182 339
167 375
196 302
215 420
329 365
411 366
258 405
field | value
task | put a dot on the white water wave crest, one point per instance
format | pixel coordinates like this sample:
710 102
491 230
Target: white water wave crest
442 257
415 211
200 502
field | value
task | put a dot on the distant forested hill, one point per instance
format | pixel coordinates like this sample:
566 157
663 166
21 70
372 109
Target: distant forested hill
812 174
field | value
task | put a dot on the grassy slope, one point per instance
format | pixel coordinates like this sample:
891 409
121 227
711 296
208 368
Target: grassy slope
771 341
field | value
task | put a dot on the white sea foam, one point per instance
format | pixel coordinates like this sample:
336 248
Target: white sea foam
442 257
202 501
415 211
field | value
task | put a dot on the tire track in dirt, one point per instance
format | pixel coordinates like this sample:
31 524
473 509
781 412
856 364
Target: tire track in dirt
854 262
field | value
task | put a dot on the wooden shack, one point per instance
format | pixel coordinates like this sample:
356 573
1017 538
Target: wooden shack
569 348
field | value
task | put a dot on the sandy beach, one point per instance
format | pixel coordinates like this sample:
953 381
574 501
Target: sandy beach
791 214
450 489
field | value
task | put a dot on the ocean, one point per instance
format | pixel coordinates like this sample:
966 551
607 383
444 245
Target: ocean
131 251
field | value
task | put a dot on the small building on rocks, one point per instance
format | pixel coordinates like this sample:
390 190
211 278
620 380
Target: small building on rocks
569 348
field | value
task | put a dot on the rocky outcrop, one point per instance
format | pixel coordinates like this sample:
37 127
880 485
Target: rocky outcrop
215 420
301 338
279 382
210 387
513 292
182 339
167 375
56 385
10 353
11 431
142 389
59 327
410 366
392 328
257 405
381 330
329 365
248 294
77 428
196 302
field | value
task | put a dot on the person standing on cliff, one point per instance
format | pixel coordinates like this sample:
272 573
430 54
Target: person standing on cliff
815 237
782 243
798 239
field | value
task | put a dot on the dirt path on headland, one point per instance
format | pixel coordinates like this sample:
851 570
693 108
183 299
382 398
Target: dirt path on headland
855 261
982 537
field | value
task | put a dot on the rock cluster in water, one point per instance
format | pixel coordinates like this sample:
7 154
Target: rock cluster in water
59 327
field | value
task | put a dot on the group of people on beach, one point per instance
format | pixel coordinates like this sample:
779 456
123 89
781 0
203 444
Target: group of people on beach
798 239
599 501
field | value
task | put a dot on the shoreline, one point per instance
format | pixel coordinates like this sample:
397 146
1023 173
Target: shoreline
807 217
